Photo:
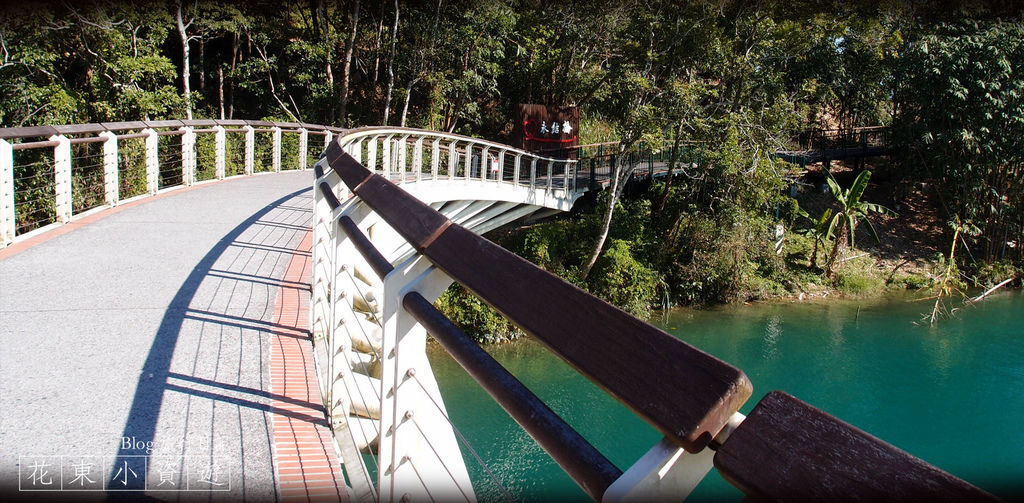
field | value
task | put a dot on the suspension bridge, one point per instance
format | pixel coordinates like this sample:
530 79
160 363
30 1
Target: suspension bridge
221 308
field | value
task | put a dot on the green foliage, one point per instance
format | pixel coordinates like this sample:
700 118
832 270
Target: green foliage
623 281
477 319
960 118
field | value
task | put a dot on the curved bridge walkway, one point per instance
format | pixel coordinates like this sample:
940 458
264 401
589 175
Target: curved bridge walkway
163 346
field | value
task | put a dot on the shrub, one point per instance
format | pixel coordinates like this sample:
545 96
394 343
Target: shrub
621 280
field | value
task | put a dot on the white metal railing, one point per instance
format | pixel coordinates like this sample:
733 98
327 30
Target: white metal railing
385 409
404 155
404 447
51 175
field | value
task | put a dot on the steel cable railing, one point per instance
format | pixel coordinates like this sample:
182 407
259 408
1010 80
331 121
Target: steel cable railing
107 164
688 395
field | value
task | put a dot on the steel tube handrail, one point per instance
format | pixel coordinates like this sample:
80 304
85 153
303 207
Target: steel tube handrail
580 460
380 130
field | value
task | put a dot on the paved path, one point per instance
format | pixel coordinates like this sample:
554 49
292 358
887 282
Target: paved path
164 346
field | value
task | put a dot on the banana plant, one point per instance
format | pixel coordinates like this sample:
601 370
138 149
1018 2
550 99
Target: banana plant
851 210
819 231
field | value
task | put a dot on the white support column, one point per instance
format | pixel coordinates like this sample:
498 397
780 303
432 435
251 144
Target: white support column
303 146
485 163
453 159
111 180
551 175
220 141
62 177
533 174
401 157
188 156
665 473
435 158
501 167
565 169
371 154
7 226
328 136
516 166
417 158
250 149
469 161
386 156
419 455
277 148
152 161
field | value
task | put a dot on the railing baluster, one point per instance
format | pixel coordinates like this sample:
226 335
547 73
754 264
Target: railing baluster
417 158
303 147
220 141
62 177
435 157
111 188
250 149
276 133
7 214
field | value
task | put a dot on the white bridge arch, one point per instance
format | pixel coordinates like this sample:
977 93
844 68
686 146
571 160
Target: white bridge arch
477 184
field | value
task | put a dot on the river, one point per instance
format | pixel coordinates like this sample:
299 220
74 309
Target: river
952 395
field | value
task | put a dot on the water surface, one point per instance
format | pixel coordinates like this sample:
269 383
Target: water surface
952 395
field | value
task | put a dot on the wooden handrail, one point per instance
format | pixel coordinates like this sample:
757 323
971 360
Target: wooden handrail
786 450
92 128
686 394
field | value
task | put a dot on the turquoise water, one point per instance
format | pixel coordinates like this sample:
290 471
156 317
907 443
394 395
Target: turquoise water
951 395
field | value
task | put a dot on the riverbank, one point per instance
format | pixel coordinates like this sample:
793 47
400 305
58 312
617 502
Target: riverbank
683 256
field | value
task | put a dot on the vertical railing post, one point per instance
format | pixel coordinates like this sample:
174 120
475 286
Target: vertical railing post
417 158
485 163
276 132
220 148
62 177
516 166
551 175
250 149
7 225
371 153
152 161
386 149
533 174
453 158
303 146
111 181
420 458
469 161
435 157
501 166
401 157
188 156
328 136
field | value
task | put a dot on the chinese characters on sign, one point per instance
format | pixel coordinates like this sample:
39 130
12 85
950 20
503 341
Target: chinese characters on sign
123 473
540 128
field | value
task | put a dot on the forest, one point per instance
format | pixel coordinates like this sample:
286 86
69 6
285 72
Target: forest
734 82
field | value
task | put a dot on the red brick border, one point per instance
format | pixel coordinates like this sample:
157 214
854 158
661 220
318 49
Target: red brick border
305 462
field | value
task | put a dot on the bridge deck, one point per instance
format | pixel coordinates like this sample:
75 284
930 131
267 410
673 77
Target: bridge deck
176 323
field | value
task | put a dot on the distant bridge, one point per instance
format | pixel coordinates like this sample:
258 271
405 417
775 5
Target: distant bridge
165 313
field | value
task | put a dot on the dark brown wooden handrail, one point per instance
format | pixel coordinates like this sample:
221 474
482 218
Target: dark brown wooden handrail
686 394
93 128
586 465
786 450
